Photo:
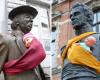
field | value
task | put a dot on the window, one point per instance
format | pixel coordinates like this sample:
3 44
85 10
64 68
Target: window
53 28
47 44
96 23
55 1
35 25
44 25
53 34
53 41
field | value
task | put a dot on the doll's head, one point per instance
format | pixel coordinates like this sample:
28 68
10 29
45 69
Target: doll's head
27 39
90 41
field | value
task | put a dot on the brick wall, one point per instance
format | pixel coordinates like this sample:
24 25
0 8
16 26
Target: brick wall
65 29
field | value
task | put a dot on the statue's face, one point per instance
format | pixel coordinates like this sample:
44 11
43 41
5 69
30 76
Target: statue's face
78 18
25 21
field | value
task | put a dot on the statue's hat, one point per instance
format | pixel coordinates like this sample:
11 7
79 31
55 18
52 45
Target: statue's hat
22 9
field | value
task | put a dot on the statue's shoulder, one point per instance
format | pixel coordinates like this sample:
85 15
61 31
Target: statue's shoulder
4 36
97 36
62 48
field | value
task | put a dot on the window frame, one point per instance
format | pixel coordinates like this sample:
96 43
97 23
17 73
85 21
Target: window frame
97 21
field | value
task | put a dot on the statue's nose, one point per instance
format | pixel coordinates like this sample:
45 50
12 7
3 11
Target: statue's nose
72 18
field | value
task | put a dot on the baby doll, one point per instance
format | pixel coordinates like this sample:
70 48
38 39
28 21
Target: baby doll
27 39
88 43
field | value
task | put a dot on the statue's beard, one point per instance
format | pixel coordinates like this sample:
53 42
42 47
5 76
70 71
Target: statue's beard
26 29
78 26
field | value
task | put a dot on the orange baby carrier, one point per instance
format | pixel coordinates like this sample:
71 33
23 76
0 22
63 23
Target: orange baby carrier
78 55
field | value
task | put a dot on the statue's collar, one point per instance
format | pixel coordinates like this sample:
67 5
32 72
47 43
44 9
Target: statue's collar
17 33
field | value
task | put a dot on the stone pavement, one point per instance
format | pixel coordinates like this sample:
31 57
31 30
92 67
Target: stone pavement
56 74
1 76
47 72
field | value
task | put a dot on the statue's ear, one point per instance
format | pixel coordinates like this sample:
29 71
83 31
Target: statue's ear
14 25
19 27
90 19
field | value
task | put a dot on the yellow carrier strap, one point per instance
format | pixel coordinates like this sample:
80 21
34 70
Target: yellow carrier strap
73 40
80 37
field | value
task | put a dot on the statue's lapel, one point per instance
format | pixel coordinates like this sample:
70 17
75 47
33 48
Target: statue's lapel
20 44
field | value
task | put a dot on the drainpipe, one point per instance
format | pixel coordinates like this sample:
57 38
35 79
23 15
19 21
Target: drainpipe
3 16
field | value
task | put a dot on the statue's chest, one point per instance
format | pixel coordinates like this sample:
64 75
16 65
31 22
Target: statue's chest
96 47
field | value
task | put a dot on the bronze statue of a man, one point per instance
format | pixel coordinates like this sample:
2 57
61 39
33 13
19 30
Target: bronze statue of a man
11 44
82 21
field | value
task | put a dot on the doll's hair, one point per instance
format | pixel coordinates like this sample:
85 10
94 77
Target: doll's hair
27 35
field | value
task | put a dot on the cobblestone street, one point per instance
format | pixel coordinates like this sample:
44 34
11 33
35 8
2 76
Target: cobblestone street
1 76
56 74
